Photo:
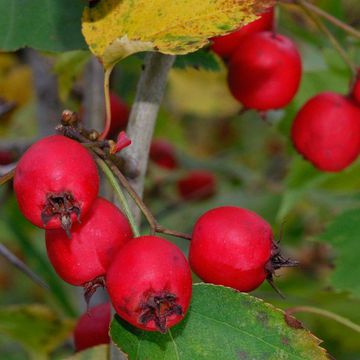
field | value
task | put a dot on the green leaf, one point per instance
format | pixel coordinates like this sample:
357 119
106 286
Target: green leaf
35 327
100 352
343 235
50 25
200 59
221 324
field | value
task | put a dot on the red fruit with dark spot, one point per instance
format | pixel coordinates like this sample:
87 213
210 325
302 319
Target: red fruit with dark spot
226 45
56 182
149 283
163 154
196 185
232 246
119 115
326 131
92 327
265 71
84 259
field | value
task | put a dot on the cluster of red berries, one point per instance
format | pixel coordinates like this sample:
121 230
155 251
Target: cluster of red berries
90 242
265 73
195 185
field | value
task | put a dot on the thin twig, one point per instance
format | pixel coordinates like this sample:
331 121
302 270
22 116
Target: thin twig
7 177
313 8
122 199
14 260
325 313
155 227
313 16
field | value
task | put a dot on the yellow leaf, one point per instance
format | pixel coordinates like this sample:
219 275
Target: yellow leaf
115 29
201 93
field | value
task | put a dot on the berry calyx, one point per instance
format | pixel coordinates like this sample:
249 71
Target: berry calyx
92 328
234 247
326 131
56 182
226 45
265 71
163 154
197 185
84 259
149 283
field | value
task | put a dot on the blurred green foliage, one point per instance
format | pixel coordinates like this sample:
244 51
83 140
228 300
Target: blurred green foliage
256 167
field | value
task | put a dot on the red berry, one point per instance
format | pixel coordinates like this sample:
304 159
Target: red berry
231 246
356 89
265 71
92 327
149 283
197 184
6 157
226 45
326 131
84 259
119 115
163 154
55 182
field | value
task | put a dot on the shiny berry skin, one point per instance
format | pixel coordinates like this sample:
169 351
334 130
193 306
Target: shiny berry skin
197 184
56 182
84 259
226 45
265 71
231 246
149 283
119 115
92 328
326 131
163 154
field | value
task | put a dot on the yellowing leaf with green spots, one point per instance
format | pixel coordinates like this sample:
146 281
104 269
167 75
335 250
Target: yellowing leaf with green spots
115 29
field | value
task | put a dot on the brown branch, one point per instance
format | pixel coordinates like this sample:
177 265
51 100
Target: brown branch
100 150
7 177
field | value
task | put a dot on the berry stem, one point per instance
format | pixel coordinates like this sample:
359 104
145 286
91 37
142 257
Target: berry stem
308 9
7 177
325 313
333 20
107 103
110 176
14 260
109 160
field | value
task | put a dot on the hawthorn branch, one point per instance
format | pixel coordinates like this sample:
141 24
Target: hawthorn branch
100 149
150 91
7 177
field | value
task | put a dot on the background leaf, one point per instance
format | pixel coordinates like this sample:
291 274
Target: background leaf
50 25
343 235
47 329
95 353
221 324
